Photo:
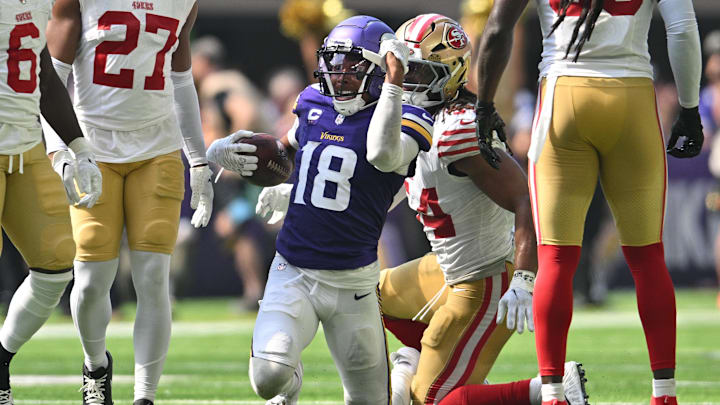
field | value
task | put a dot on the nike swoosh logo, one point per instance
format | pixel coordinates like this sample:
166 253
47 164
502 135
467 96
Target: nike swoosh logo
359 297
467 122
427 117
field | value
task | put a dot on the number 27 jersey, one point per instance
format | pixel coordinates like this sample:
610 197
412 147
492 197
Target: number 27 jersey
122 67
339 200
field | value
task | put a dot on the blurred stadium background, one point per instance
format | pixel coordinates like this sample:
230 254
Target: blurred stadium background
250 59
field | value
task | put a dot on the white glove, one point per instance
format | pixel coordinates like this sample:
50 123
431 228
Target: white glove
274 199
397 48
87 173
79 174
517 302
201 199
231 155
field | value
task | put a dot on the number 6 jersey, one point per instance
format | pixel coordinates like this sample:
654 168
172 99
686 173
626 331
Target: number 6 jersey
122 68
22 39
339 200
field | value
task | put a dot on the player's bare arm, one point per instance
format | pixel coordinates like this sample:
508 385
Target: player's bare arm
496 45
493 55
57 109
64 30
55 104
181 58
507 187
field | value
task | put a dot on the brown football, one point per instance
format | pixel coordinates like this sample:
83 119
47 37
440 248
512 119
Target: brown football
274 164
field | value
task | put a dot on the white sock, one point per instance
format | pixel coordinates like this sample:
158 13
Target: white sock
153 321
664 387
535 391
91 308
31 305
553 391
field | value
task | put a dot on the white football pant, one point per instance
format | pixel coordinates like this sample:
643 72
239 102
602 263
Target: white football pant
291 309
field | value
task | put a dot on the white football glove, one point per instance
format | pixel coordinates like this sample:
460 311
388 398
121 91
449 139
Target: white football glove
397 48
201 199
517 302
234 156
274 199
80 175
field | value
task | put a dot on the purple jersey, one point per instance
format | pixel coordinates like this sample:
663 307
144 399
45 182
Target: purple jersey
339 200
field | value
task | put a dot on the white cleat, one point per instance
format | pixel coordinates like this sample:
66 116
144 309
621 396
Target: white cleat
6 397
405 363
291 397
574 384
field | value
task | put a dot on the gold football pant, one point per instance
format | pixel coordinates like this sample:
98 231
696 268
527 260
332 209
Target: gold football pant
144 197
35 210
462 340
606 128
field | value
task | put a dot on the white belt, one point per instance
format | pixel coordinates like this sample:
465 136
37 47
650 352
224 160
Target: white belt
543 119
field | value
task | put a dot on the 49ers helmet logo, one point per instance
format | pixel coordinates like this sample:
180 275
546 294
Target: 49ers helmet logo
456 38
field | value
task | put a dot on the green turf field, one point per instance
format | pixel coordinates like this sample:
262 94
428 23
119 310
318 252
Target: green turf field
207 363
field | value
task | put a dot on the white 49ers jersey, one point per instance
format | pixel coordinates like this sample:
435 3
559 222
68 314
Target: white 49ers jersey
22 39
618 45
467 230
122 68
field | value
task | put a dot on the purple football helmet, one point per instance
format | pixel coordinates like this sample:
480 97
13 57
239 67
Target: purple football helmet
351 53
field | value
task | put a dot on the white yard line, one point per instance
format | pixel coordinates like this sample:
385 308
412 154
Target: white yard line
595 320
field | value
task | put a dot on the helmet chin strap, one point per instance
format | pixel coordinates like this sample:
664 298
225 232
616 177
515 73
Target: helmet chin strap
349 107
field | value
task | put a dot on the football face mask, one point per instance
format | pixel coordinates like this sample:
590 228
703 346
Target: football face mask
424 82
344 73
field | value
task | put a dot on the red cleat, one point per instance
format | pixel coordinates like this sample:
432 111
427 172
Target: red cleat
718 300
664 400
556 402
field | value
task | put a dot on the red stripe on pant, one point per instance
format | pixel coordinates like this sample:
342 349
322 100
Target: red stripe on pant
450 367
552 305
483 341
514 393
655 300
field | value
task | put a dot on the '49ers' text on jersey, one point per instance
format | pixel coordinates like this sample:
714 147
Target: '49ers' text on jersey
339 200
618 45
467 230
122 68
22 39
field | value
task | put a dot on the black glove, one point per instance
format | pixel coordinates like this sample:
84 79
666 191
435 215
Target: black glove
487 121
687 125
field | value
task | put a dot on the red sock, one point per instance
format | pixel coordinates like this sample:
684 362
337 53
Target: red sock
655 300
514 393
552 305
408 332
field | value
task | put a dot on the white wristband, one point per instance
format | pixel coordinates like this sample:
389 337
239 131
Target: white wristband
523 279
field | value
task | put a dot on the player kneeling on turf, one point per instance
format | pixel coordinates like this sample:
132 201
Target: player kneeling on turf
353 142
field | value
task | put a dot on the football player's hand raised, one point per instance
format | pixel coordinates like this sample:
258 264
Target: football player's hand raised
398 49
687 125
488 121
274 200
233 155
201 199
517 302
80 175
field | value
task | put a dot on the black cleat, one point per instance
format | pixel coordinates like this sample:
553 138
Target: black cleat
5 393
97 385
143 402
